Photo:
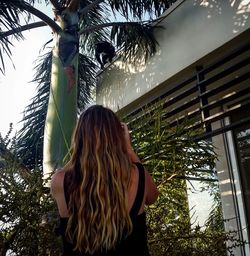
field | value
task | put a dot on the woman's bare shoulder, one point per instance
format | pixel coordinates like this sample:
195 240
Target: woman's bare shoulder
58 175
56 184
152 192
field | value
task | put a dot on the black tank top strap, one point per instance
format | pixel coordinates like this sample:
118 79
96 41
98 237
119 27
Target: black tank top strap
65 187
140 191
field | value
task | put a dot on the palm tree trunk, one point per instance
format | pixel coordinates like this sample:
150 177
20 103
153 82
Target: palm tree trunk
62 106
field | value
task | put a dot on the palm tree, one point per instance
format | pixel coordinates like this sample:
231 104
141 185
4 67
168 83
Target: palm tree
66 73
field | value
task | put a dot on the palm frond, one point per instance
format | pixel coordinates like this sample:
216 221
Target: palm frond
97 15
14 13
30 137
10 12
138 9
14 18
135 39
5 45
86 81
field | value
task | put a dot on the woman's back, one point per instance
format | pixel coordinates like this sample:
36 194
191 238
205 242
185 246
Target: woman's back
100 193
135 243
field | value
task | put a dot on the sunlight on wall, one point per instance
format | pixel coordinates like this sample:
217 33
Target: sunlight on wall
244 7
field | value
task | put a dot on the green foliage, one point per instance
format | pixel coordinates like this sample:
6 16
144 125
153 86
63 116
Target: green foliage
174 157
142 34
139 8
27 214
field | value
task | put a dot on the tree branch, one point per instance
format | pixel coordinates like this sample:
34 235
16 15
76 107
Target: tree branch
23 28
54 26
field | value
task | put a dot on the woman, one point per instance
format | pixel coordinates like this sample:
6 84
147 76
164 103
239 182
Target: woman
102 190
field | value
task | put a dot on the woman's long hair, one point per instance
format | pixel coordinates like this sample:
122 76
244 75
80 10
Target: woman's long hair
99 170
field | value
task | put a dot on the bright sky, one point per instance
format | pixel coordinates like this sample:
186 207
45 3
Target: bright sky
16 90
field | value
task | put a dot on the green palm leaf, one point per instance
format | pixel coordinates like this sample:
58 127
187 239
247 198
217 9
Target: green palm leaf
9 19
14 18
138 9
135 39
95 16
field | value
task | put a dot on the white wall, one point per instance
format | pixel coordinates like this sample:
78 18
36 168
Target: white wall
193 29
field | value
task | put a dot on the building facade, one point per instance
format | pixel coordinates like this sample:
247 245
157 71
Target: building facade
201 69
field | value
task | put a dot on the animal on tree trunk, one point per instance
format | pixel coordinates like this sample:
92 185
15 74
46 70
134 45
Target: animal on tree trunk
104 53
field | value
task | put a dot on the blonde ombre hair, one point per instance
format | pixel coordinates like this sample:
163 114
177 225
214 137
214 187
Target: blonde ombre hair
99 170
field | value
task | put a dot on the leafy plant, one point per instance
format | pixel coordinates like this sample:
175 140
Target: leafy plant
174 156
28 215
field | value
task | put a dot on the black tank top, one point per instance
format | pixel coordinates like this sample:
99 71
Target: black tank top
134 244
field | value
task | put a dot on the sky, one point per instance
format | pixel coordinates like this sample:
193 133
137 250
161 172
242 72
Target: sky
16 90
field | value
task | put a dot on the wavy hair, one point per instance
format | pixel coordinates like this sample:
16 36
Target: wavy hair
99 170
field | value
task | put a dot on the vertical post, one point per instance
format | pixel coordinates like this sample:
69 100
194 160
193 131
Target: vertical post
203 99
